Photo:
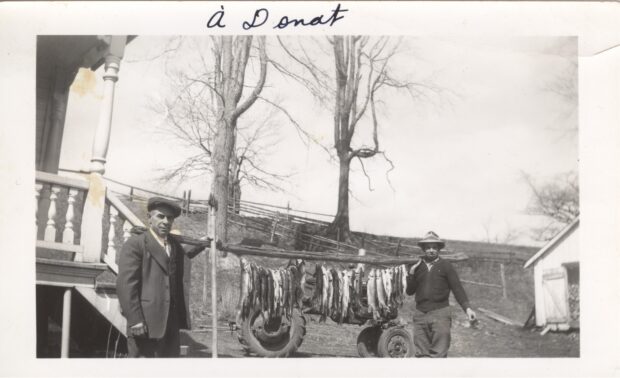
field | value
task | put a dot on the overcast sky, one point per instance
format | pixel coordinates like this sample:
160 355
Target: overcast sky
458 160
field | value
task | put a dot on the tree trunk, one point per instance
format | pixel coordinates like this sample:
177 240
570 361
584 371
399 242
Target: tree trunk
339 228
221 159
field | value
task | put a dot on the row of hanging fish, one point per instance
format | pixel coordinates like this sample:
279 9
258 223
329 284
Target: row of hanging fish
340 294
385 290
275 292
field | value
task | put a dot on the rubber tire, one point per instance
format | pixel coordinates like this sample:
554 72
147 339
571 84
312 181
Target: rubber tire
404 341
367 341
289 344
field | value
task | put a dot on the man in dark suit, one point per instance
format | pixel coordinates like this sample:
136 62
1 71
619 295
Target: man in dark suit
431 280
153 285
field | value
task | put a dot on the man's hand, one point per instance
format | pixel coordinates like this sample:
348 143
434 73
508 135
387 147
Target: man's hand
139 330
412 269
471 314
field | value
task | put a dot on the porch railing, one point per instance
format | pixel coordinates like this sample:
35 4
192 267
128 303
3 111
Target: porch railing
59 205
60 202
120 221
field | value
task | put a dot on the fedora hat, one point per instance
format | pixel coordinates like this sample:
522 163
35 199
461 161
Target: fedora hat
155 202
431 238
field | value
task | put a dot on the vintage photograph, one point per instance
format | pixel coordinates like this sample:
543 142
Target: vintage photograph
343 195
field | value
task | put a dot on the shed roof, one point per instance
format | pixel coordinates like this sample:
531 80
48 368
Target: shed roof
553 242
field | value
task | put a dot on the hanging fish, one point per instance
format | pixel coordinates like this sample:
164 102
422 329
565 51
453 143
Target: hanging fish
387 285
257 287
330 292
271 294
380 291
352 295
301 282
243 292
324 293
292 290
359 281
346 290
286 292
403 278
335 306
317 298
264 288
277 291
396 283
371 290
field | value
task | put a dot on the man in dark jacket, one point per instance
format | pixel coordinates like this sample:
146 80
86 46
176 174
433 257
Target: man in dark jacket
431 280
153 285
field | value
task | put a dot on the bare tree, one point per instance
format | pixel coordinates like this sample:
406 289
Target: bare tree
361 72
556 199
508 236
190 119
211 96
231 59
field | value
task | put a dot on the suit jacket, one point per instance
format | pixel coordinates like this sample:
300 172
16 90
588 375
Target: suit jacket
148 280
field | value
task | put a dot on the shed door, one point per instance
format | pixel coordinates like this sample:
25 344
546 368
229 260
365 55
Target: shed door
555 295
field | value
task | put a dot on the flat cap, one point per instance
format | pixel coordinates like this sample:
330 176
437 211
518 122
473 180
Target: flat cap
155 202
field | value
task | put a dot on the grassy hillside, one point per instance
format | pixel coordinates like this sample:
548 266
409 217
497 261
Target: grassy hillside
482 266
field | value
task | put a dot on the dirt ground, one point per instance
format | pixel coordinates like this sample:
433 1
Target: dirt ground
489 339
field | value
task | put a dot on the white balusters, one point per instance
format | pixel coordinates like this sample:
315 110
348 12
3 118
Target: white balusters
50 229
112 234
37 188
126 230
68 234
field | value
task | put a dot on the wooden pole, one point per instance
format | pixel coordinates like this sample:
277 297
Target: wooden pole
184 199
206 269
329 256
189 198
131 194
503 275
66 323
213 253
398 247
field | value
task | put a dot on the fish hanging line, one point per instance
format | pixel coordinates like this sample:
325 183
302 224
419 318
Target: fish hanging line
341 294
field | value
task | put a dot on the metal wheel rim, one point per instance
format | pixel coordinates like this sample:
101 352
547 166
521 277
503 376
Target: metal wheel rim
397 346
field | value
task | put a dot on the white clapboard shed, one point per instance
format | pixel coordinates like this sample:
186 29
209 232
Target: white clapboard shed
556 280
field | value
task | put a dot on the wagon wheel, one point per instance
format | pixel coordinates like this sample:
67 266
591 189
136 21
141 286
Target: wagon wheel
276 337
367 341
395 342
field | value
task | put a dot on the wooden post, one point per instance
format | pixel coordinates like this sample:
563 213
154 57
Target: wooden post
213 253
206 269
189 198
503 275
131 194
184 199
66 323
398 247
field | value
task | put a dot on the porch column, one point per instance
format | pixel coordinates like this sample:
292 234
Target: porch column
66 323
94 205
102 134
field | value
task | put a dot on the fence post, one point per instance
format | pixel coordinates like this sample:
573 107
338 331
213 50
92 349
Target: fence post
503 275
398 247
189 198
184 198
131 194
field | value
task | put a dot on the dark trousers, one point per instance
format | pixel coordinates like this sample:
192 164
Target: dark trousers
167 346
431 332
